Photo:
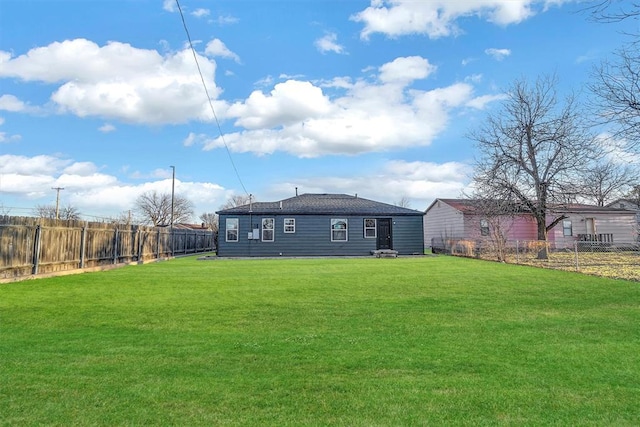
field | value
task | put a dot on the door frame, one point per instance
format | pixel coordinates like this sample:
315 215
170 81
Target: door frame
379 237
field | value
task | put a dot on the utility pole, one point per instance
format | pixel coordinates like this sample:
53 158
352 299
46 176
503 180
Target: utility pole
57 199
173 186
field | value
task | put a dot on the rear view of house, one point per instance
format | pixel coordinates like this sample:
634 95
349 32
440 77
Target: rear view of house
319 225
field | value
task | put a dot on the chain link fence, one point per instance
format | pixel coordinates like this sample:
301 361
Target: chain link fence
620 261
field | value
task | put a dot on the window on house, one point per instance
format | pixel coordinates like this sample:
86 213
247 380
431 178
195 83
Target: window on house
289 225
339 230
484 227
232 226
267 229
369 228
567 229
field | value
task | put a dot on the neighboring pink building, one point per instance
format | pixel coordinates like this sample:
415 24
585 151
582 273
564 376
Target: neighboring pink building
459 219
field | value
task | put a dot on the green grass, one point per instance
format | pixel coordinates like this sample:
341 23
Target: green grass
357 342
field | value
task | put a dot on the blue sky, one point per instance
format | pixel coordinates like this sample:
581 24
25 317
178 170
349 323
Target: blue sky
373 98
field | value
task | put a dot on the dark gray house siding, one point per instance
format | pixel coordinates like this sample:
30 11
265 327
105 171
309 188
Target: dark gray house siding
313 231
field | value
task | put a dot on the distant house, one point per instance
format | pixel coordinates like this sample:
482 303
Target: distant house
632 205
461 219
319 225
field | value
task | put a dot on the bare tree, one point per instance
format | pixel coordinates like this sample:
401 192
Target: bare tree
616 83
155 208
45 211
532 150
238 200
123 218
404 202
606 181
612 11
495 217
616 86
67 212
210 220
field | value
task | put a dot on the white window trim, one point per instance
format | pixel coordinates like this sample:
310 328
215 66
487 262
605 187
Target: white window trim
374 228
290 225
272 229
346 229
237 229
484 228
565 228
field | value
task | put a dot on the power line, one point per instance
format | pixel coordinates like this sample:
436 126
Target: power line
215 116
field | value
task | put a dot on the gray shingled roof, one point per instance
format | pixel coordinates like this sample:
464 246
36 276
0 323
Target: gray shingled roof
319 204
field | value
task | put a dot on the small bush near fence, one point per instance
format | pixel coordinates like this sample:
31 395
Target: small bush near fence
602 259
34 245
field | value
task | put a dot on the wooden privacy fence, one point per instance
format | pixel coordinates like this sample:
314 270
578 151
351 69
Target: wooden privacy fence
31 246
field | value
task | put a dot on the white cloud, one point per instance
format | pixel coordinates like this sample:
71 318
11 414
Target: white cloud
106 128
289 102
480 102
5 137
467 61
227 20
405 70
328 43
265 81
81 168
420 182
618 150
92 192
439 18
23 165
498 54
137 85
217 48
169 5
297 117
200 13
11 103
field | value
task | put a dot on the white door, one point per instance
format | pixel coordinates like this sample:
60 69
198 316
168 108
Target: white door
591 225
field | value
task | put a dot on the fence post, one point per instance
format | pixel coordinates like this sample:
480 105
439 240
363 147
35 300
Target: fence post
158 245
575 246
36 250
115 247
139 237
83 242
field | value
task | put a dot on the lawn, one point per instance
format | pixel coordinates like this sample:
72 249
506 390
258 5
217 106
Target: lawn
288 342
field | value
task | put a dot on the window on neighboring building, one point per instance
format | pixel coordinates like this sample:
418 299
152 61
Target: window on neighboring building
484 227
567 230
289 225
369 228
233 224
267 229
339 230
